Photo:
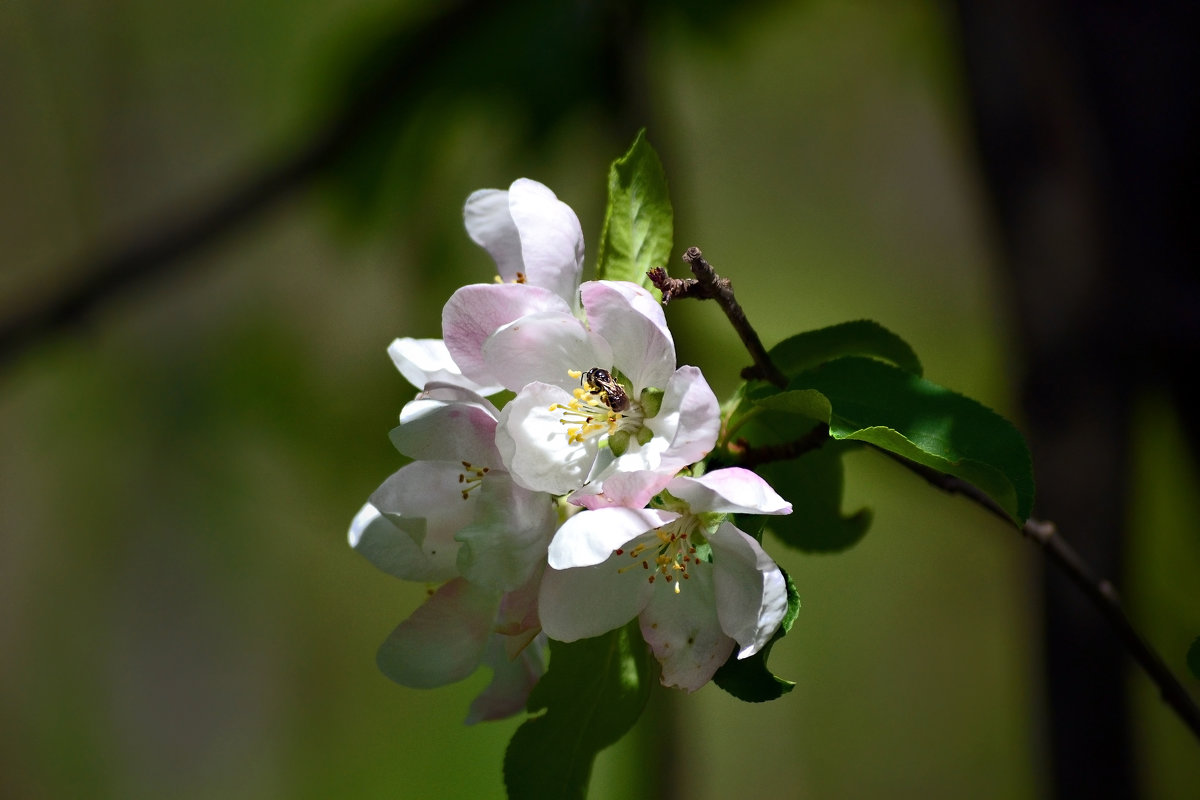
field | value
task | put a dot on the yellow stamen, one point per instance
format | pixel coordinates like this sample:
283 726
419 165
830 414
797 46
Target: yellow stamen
673 553
471 477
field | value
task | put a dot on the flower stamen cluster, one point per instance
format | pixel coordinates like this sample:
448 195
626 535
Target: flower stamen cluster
471 477
558 540
590 413
674 551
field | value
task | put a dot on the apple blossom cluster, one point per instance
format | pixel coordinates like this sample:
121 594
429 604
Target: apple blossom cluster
580 504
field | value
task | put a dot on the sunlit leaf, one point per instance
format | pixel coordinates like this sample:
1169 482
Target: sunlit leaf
638 224
902 413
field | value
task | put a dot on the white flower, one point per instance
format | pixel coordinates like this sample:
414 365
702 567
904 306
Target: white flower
536 242
699 588
455 510
425 361
454 515
534 238
557 435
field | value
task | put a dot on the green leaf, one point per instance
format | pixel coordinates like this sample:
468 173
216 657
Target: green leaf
638 224
1193 657
813 485
593 693
812 482
859 338
902 413
806 402
750 679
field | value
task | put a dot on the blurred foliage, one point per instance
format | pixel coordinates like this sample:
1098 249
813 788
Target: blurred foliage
591 695
180 614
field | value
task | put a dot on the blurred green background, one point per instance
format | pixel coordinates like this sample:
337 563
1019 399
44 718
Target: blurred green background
180 614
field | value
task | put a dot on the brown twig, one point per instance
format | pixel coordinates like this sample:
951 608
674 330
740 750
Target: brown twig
707 285
1101 592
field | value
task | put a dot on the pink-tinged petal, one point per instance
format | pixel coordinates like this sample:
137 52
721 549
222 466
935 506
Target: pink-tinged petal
642 346
507 541
512 681
590 537
475 312
455 393
551 238
424 502
628 489
689 419
732 490
518 615
544 347
443 641
684 632
751 593
432 429
424 361
533 442
490 226
588 601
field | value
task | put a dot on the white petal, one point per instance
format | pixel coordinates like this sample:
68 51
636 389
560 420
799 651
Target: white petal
490 226
384 544
533 442
551 238
689 419
433 429
750 589
588 601
684 632
642 346
422 361
590 537
394 546
732 490
544 347
443 641
628 489
507 540
475 312
423 502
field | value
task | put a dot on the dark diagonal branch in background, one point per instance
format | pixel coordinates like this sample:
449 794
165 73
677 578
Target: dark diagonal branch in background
1099 590
156 250
1102 594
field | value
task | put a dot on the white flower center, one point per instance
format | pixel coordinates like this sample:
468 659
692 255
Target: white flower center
471 477
672 554
589 413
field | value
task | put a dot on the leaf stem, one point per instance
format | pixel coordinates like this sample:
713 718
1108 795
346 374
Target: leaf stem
750 457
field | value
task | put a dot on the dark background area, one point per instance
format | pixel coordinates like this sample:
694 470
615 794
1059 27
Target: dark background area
182 449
